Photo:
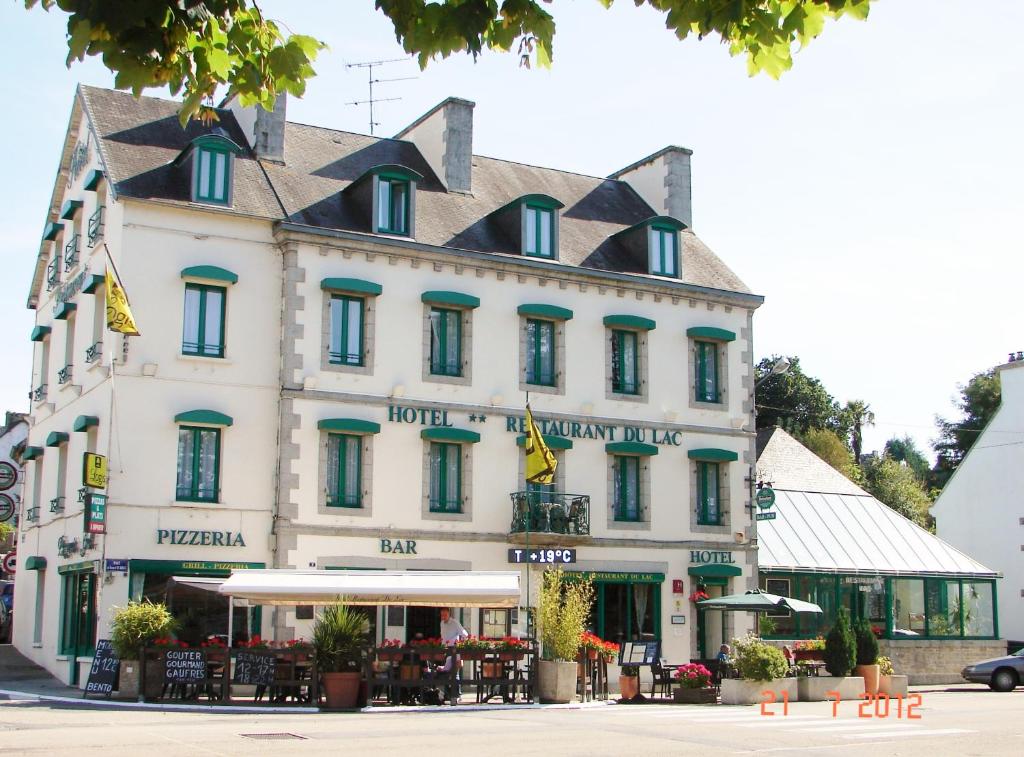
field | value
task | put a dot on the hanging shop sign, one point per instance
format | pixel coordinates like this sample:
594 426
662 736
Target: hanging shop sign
398 546
704 556
555 556
766 516
94 470
7 508
8 475
95 513
765 498
185 537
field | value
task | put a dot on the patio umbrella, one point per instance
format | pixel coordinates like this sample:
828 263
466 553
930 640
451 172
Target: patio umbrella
758 601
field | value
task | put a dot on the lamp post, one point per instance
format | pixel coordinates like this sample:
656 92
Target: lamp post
779 367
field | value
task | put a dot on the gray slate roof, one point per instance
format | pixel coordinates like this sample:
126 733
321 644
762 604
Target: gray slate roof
140 139
824 524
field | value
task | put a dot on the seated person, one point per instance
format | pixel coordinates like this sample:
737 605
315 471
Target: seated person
724 662
440 673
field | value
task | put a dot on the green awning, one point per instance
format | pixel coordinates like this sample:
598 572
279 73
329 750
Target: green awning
51 230
359 286
92 180
457 299
715 570
64 309
57 438
454 435
87 566
31 453
207 417
40 332
713 455
191 567
92 283
710 332
68 210
630 448
85 422
629 322
545 311
554 442
348 426
212 272
35 562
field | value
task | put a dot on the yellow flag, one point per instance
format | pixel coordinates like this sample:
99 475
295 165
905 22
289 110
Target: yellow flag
540 461
119 314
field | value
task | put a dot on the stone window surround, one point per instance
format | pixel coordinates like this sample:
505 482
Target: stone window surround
466 346
369 321
643 373
365 477
559 387
467 485
724 500
644 524
722 368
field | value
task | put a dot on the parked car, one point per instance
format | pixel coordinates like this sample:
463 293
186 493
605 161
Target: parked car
7 594
6 622
1001 674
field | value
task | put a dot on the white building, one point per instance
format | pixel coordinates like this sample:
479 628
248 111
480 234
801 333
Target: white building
12 439
338 335
981 508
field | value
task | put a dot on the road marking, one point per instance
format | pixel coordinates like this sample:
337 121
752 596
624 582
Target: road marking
907 732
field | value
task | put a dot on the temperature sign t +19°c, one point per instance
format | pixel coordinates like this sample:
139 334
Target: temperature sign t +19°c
551 556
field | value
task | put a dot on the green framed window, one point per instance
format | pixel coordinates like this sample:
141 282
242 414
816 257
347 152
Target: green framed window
392 205
344 470
212 176
540 232
625 362
709 511
626 610
540 352
198 464
445 342
78 614
203 329
445 478
347 330
664 251
626 491
706 372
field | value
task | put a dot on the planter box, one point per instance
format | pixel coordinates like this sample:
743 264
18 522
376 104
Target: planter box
809 654
814 688
740 691
556 681
893 685
693 696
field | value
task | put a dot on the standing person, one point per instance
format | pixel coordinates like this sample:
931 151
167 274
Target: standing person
451 632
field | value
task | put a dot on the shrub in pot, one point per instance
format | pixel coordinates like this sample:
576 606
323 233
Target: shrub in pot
132 628
694 685
840 646
760 666
867 655
561 619
629 682
339 645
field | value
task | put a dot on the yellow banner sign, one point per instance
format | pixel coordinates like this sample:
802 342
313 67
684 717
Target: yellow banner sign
94 471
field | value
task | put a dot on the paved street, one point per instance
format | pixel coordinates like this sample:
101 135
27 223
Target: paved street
964 721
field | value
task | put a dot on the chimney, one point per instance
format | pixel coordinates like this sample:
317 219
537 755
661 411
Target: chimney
444 136
663 181
264 130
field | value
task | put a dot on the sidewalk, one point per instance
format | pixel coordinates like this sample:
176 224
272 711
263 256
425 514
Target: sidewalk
21 674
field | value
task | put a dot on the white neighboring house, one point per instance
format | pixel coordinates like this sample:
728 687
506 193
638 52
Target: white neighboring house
981 508
12 438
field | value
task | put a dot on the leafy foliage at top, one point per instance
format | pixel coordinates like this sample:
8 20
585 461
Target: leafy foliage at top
339 638
196 46
829 447
562 614
979 399
867 642
904 450
137 624
795 401
756 660
895 485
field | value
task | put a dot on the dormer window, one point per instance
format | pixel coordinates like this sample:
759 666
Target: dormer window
653 244
663 243
539 238
392 205
211 157
387 195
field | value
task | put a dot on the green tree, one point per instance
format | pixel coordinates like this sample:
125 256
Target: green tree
895 485
5 531
829 447
905 451
840 646
978 402
197 46
858 414
795 401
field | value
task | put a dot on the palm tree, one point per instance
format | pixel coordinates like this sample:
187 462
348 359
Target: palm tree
860 415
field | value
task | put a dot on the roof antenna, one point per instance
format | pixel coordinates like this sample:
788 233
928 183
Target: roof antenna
369 66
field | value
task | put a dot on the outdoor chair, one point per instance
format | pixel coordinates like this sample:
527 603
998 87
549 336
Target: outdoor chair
661 678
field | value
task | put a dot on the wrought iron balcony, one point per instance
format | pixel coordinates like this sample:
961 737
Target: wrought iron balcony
549 518
39 393
71 252
64 375
52 274
57 505
32 514
94 353
95 228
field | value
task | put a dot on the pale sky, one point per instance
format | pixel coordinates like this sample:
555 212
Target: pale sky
869 195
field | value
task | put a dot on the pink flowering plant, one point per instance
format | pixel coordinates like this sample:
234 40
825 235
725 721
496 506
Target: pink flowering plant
693 676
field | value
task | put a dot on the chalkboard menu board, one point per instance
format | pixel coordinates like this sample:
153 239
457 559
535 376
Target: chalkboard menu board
255 668
185 666
638 652
103 675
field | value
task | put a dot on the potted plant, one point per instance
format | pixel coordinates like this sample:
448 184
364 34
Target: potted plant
840 657
562 615
390 650
591 645
339 636
809 649
694 685
888 682
432 649
761 667
629 683
867 655
132 628
510 648
610 650
766 626
473 647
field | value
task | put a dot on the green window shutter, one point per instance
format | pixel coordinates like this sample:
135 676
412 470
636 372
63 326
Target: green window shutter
203 322
85 422
631 448
198 477
32 453
454 299
352 286
51 230
212 175
540 353
706 372
39 333
625 362
211 272
57 438
348 426
445 342
551 312
445 478
64 309
206 417
708 506
92 180
70 207
627 488
713 454
347 337
446 434
344 471
629 322
711 332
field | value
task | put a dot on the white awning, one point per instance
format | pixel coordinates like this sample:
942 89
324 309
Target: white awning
375 587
